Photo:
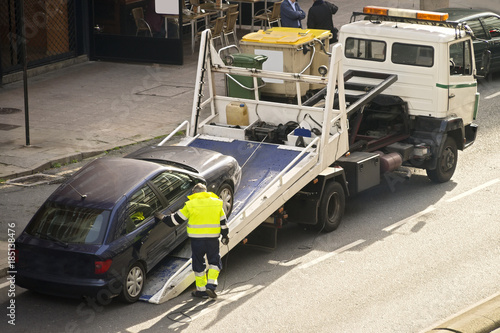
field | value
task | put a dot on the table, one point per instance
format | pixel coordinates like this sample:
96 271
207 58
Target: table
211 7
252 2
191 19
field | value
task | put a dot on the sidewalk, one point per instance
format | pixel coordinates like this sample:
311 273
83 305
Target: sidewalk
88 108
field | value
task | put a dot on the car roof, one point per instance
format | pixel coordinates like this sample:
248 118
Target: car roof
463 14
101 183
191 158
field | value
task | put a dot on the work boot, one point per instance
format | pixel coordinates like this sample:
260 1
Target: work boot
211 293
199 294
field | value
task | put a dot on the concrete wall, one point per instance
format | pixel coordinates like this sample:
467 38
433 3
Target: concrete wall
434 4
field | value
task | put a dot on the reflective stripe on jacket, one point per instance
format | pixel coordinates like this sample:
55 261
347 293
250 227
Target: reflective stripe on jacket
205 214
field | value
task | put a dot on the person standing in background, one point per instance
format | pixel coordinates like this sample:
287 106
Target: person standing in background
320 15
291 14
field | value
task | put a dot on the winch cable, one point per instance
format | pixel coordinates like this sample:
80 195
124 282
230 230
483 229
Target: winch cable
255 150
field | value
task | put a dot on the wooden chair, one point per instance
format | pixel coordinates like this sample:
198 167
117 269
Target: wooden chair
140 22
217 30
268 16
230 28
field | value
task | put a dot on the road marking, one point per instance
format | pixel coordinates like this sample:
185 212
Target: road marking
474 190
408 219
493 95
331 254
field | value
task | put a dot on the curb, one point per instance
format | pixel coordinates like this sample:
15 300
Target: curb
483 317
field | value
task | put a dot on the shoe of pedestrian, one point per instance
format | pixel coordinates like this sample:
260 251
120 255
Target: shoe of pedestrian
199 294
211 293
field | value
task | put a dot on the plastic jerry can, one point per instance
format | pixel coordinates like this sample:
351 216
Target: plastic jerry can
237 114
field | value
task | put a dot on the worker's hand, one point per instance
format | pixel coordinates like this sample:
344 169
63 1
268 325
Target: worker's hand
225 240
159 217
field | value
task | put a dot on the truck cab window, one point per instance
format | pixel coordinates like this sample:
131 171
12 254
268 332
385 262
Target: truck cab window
365 49
460 58
413 55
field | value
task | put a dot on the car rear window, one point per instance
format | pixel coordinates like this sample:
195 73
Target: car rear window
74 225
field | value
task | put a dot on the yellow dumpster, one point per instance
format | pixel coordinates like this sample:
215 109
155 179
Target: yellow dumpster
284 48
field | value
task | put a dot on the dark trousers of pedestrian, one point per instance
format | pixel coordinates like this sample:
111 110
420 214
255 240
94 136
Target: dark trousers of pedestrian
210 247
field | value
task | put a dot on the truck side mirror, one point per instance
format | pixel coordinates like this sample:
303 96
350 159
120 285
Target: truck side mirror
485 64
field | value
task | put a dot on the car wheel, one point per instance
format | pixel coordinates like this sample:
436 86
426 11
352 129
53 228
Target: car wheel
225 193
446 163
331 207
133 283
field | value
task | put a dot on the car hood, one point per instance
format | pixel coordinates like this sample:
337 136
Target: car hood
193 159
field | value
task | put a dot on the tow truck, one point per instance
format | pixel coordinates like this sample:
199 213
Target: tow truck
399 92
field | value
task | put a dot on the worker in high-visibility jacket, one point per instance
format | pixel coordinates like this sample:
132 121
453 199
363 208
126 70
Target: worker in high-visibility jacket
206 222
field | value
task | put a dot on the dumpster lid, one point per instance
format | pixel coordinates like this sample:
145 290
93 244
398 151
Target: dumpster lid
285 35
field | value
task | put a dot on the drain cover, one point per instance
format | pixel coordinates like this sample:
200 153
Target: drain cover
33 180
9 110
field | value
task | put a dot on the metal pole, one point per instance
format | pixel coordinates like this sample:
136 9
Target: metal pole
24 56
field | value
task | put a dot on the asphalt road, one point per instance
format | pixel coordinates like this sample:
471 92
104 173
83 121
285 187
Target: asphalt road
407 255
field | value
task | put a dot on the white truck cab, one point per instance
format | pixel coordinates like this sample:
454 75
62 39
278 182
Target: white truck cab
436 86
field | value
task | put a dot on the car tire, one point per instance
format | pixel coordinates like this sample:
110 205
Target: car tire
226 194
331 207
133 283
446 163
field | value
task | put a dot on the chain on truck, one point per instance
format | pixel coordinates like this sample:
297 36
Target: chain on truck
397 92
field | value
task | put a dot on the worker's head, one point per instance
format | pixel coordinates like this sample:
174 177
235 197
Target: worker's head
199 188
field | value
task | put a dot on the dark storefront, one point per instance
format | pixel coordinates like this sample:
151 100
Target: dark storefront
53 33
58 30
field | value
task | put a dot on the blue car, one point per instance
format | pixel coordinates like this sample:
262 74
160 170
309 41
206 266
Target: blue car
96 235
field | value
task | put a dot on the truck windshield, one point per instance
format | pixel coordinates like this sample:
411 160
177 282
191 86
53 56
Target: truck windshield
73 225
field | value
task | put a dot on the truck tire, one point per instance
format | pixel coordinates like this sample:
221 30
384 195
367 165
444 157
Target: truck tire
446 163
331 207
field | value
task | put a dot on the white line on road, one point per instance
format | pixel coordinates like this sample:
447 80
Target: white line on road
408 219
331 254
493 95
474 190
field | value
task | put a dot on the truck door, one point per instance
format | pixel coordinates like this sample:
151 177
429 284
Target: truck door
462 85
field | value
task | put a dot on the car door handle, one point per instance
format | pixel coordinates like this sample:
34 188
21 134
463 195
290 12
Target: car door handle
451 96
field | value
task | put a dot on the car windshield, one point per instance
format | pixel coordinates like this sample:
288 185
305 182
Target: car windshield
66 224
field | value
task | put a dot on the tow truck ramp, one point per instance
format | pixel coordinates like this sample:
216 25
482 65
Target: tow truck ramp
271 173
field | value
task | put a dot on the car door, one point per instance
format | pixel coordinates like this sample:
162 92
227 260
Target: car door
142 229
492 27
175 187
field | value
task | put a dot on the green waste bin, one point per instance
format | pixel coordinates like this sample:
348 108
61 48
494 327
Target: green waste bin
242 86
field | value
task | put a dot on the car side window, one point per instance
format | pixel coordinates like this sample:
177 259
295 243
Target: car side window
492 25
173 185
141 206
460 58
477 29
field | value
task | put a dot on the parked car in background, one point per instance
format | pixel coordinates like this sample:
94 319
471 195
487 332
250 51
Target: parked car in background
486 28
96 235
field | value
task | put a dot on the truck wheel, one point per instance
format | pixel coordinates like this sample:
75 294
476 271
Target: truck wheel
331 207
446 163
133 283
225 193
